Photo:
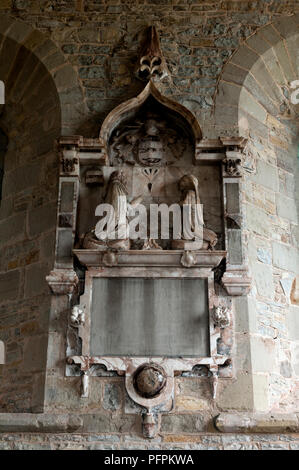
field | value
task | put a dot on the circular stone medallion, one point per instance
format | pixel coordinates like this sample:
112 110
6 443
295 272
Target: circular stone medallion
149 380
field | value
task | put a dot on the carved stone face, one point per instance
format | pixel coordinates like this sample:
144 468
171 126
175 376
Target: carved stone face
150 152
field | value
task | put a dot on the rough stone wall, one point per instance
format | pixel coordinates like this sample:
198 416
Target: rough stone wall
133 441
101 40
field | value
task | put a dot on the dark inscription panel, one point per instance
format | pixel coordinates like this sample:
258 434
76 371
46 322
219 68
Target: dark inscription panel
149 317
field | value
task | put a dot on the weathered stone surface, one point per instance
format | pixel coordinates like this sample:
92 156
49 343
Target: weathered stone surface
263 354
185 423
266 175
35 280
112 397
237 394
293 323
27 422
42 219
263 278
103 423
286 208
9 285
272 423
257 220
285 257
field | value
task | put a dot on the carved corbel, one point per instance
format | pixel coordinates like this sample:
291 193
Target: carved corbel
63 281
152 64
236 283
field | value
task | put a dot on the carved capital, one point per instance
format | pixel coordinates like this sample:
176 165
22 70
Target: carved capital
232 166
69 163
62 281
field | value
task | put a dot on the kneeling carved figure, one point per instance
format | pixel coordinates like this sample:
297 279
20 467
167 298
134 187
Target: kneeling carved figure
195 235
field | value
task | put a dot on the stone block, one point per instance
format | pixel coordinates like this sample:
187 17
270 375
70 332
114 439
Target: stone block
187 423
286 208
264 255
31 422
9 285
35 353
237 394
249 104
263 354
263 277
293 322
22 178
233 73
262 75
286 369
19 31
42 219
257 220
284 61
286 26
270 34
266 175
112 397
258 43
35 280
101 423
65 78
245 57
256 423
228 94
234 238
245 314
271 61
259 94
285 257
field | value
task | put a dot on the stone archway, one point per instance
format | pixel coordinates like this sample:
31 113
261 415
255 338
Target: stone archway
41 89
32 43
256 80
253 100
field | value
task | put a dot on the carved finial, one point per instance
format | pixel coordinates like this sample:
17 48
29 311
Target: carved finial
152 64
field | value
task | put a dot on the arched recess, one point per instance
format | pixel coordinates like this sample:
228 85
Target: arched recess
254 100
256 81
40 88
32 44
129 108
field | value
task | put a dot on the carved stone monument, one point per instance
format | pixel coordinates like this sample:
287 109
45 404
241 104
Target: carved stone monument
149 308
